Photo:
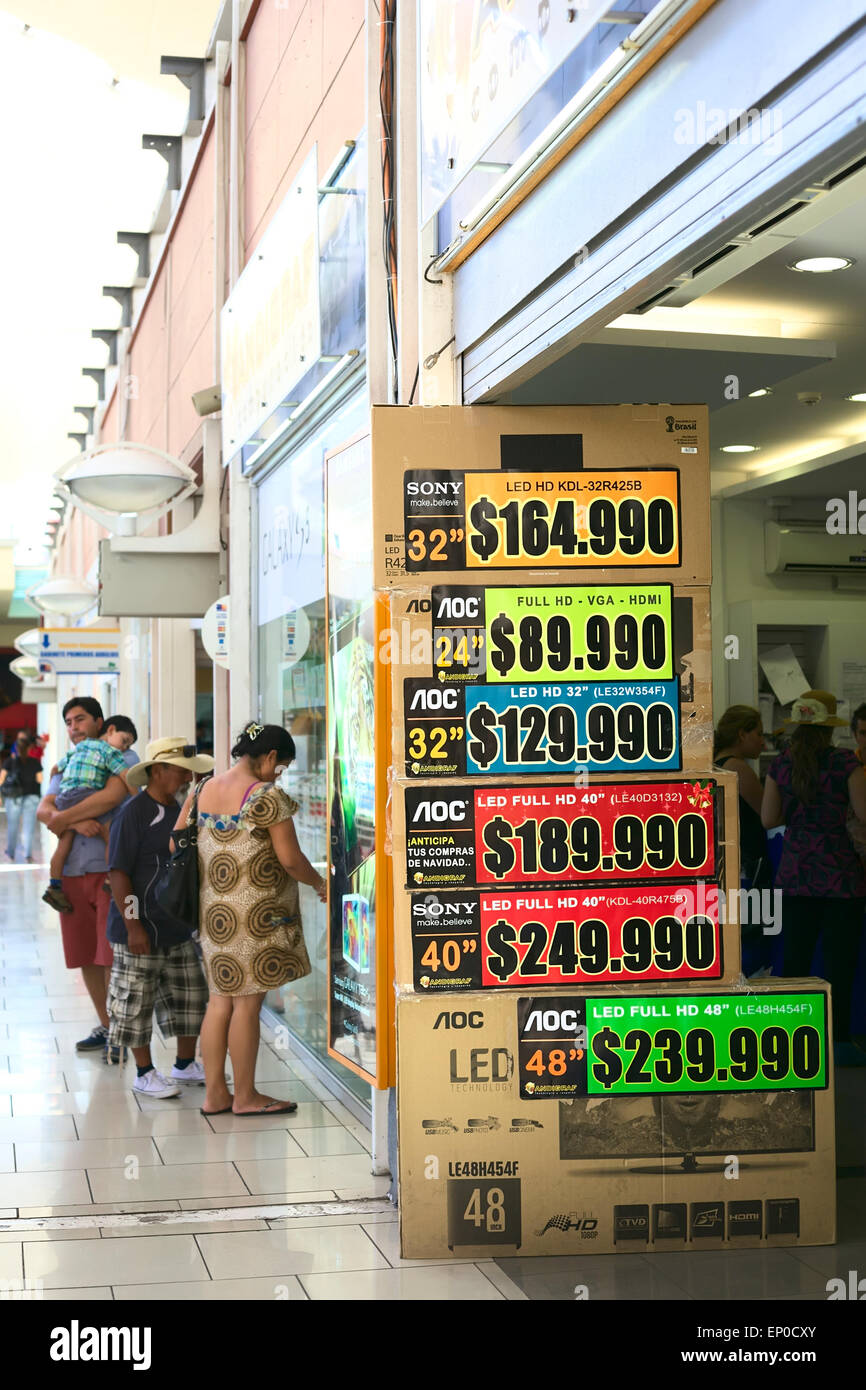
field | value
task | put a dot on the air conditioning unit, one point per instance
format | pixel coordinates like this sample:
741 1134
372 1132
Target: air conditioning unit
808 548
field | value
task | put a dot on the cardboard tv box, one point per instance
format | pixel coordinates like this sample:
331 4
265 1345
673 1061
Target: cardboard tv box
445 897
558 443
485 1173
407 647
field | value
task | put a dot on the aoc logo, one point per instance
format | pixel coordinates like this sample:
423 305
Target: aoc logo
458 1020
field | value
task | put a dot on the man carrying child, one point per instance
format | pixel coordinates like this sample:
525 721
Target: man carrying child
83 874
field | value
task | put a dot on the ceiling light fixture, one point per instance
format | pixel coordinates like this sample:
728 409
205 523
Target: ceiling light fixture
821 265
68 597
118 483
740 448
859 396
761 391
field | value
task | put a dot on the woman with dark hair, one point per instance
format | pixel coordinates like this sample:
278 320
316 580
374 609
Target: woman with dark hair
809 789
740 737
19 787
250 865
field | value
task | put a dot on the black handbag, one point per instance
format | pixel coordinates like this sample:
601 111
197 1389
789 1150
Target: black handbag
176 889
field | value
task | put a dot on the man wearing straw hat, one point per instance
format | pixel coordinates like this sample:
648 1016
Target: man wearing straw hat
155 961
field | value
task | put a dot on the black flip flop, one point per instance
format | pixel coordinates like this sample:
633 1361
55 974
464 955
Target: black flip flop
286 1108
227 1111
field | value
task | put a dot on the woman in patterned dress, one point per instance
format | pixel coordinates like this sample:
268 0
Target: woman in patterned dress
250 865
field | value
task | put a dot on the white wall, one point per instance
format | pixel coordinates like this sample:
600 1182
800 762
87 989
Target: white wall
744 597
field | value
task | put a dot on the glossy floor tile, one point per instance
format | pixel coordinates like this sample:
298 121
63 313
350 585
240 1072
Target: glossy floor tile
165 1259
435 1283
290 1251
279 1288
339 1171
221 1148
176 1180
89 1153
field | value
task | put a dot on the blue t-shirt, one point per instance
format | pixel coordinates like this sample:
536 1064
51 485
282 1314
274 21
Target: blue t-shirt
139 846
87 855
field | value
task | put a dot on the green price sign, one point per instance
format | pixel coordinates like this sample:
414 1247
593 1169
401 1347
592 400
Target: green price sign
715 1043
575 632
627 1045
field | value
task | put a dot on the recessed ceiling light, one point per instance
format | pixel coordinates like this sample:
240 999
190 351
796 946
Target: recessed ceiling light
739 448
822 265
856 396
761 391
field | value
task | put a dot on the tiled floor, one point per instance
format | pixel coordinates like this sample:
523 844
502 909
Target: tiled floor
76 1142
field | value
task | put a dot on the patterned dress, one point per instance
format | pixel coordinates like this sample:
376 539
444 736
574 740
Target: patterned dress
818 857
249 915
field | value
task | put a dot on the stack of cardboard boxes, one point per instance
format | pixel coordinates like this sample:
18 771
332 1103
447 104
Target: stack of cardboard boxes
581 1066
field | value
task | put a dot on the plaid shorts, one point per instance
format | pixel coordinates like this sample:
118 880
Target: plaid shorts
169 982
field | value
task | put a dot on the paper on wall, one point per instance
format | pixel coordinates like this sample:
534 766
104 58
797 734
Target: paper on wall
785 674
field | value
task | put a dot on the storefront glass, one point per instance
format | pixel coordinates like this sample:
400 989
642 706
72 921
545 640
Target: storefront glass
292 652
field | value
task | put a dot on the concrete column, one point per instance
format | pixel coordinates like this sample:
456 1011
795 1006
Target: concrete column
172 680
133 686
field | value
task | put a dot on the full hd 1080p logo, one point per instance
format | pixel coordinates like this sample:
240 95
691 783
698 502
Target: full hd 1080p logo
586 1226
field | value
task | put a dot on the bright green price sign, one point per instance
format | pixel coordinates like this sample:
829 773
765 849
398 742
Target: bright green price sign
750 1042
576 632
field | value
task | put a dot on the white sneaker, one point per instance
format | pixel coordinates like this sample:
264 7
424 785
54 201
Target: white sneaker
153 1083
193 1073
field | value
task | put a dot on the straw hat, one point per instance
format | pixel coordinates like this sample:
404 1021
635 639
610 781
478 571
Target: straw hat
818 708
173 751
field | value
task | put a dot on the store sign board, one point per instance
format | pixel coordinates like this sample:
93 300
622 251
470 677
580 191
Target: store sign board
291 558
270 325
481 61
668 1043
74 651
215 632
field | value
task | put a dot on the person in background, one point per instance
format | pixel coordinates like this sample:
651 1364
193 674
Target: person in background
19 786
250 865
858 729
85 945
86 769
809 789
155 962
740 736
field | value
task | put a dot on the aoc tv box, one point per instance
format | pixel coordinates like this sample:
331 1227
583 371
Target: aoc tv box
503 1149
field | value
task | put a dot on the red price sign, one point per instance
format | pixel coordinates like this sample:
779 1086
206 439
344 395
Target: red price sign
541 835
626 935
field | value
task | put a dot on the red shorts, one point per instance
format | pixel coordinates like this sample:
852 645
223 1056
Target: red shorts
83 929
